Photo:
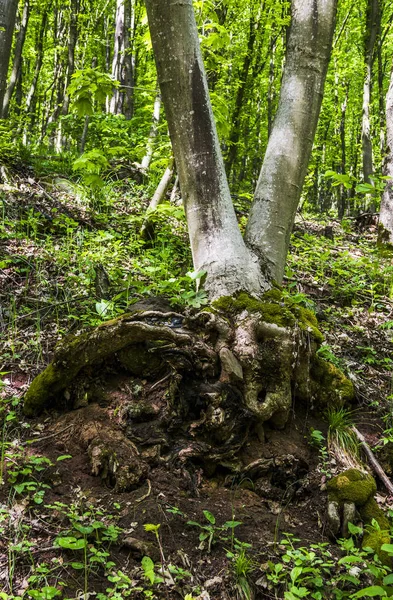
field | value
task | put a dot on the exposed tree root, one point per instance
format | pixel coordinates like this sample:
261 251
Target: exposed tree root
182 389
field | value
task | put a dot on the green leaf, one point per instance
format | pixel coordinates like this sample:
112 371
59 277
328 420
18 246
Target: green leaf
370 592
83 528
209 517
151 527
77 565
148 569
63 457
354 529
296 571
71 543
387 548
232 524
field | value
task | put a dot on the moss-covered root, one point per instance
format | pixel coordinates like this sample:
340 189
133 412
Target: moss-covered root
77 352
359 488
333 387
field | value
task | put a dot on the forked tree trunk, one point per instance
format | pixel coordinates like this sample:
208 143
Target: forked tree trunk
386 215
7 24
216 242
289 147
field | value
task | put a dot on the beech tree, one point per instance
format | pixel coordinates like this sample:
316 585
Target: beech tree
7 24
231 262
386 214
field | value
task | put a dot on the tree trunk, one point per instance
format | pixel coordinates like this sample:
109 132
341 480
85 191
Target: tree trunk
7 24
146 160
216 242
17 59
147 229
373 25
122 64
243 82
386 215
285 164
38 64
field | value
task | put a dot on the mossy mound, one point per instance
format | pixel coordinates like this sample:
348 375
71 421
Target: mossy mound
274 308
359 488
352 486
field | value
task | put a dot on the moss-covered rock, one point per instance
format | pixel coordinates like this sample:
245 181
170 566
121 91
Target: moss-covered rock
374 539
352 486
359 488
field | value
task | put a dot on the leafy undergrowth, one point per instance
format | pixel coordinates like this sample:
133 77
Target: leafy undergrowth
71 257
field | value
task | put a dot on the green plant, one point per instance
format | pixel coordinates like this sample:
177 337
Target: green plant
318 440
341 437
242 566
24 476
212 533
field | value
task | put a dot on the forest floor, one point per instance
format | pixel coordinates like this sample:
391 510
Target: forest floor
67 534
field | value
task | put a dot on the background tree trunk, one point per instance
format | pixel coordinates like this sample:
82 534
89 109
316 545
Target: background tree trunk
7 24
386 215
16 67
287 155
372 30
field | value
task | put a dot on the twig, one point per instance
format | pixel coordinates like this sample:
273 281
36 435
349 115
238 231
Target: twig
46 437
147 493
373 461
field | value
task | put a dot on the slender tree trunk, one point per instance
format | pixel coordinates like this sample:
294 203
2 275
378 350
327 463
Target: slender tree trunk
72 41
38 64
241 90
123 66
73 38
343 193
372 30
157 199
128 66
216 242
287 155
146 160
7 24
386 215
17 60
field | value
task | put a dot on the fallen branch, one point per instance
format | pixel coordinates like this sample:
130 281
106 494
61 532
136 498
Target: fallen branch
373 461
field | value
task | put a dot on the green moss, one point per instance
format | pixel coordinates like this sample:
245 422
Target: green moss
375 539
334 387
307 321
42 389
352 486
370 511
273 309
273 295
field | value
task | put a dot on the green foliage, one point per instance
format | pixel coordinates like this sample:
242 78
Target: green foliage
340 433
89 88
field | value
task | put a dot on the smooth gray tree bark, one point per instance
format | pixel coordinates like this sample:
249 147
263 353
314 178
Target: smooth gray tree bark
386 214
234 264
289 147
7 24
